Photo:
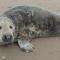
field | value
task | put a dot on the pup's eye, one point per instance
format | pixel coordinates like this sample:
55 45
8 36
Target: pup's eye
10 27
0 27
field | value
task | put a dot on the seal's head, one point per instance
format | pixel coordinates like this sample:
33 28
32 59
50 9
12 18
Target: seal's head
7 29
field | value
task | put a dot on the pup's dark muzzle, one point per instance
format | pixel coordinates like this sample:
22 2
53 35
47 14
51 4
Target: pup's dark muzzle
7 38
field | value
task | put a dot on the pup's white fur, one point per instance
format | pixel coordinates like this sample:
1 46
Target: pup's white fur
5 23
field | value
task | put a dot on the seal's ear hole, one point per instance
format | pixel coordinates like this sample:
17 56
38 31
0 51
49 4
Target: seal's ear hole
30 13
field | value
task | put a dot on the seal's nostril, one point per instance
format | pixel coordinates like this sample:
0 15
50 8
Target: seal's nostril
5 37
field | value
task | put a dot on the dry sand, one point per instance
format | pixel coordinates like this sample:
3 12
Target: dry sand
45 48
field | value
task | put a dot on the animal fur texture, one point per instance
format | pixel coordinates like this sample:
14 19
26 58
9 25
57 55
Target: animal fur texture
32 22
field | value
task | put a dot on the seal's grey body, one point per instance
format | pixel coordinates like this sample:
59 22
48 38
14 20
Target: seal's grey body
33 21
43 20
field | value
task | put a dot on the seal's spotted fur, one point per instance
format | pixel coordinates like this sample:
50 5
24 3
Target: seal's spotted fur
33 21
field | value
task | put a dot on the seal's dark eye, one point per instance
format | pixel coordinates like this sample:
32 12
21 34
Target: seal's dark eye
0 27
10 27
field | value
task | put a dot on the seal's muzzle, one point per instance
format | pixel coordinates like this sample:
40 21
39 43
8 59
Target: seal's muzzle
7 38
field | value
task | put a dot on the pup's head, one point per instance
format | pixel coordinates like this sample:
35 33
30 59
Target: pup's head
7 29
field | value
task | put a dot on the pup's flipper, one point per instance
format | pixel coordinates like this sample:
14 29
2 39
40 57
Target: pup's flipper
25 46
